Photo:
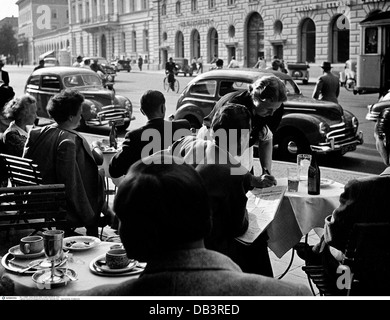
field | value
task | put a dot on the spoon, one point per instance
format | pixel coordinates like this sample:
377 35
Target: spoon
66 274
31 266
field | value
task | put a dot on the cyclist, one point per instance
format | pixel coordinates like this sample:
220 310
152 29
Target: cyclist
170 68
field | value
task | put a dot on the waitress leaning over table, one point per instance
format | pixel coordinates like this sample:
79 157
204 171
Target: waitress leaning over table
64 156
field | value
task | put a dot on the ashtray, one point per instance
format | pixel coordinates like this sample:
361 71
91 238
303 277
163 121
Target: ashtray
62 276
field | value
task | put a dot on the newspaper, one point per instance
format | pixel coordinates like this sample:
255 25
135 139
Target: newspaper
262 206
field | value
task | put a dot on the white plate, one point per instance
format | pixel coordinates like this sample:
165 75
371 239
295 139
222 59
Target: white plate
16 266
15 251
326 182
80 243
133 268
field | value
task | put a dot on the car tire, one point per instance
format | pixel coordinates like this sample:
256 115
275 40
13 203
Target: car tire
286 146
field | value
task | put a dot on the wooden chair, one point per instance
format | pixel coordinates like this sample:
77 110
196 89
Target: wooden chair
20 171
368 257
33 207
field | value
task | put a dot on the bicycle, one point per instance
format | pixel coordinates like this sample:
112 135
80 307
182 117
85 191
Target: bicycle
167 86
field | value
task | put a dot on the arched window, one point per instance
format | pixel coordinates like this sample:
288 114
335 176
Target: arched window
178 7
255 39
195 44
179 46
340 39
212 44
307 39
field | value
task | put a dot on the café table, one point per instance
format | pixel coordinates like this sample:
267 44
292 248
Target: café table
80 263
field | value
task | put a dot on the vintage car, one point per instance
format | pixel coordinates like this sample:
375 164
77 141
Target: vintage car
121 65
306 123
100 106
375 109
183 67
299 71
107 67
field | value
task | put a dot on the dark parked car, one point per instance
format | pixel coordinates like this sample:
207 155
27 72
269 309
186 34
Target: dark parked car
325 126
107 67
121 65
183 67
100 105
375 109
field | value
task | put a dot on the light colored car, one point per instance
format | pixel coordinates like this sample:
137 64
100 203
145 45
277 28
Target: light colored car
306 123
100 106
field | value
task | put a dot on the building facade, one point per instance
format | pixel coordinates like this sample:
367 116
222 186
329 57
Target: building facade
295 31
43 27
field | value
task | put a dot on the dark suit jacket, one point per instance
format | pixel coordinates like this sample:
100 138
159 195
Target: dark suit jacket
327 88
363 200
198 272
5 77
64 156
156 135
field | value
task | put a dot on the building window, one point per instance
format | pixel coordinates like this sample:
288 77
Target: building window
144 4
340 39
164 36
255 39
179 47
146 41
178 7
307 40
113 47
231 2
278 27
232 31
212 4
123 42
132 5
81 46
194 5
134 39
213 44
164 8
195 44
55 13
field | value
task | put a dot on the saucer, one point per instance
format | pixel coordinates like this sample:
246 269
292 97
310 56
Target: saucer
43 280
101 264
15 251
130 271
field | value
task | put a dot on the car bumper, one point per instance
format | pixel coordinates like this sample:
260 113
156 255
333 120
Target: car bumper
343 147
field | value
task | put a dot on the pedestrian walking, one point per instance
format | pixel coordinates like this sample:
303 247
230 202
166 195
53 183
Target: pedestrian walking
200 64
140 63
328 85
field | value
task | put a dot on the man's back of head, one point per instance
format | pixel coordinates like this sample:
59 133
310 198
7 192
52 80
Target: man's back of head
162 205
152 103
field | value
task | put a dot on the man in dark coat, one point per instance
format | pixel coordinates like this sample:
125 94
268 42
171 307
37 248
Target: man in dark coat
157 134
4 77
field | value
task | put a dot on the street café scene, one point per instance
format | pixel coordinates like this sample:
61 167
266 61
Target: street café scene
201 162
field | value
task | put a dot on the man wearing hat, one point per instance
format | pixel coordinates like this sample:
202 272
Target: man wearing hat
328 85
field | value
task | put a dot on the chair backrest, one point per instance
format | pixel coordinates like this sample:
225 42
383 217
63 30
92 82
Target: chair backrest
33 207
21 171
368 256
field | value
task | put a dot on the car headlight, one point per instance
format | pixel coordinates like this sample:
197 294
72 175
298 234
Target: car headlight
128 106
323 128
355 123
297 74
109 78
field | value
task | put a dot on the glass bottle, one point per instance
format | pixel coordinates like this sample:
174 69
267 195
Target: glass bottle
314 176
113 135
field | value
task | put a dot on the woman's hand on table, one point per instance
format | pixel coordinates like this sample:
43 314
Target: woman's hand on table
263 181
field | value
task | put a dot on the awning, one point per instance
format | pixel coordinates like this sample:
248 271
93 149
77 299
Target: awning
46 54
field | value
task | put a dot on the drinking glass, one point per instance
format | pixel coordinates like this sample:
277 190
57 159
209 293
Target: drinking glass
303 163
292 179
52 243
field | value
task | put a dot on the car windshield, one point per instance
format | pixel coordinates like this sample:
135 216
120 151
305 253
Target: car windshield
82 80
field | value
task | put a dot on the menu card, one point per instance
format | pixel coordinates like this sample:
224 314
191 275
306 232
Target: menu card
262 206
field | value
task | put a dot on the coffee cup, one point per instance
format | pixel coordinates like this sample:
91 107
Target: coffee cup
31 244
117 259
